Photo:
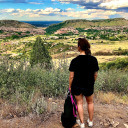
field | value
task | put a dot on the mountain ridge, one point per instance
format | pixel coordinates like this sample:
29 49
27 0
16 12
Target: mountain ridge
15 24
83 23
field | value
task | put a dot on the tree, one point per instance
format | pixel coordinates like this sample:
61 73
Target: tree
14 37
39 54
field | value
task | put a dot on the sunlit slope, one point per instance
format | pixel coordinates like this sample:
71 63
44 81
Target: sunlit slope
83 23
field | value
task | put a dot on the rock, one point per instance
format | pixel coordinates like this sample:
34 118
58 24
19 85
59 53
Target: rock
110 122
115 124
50 99
101 123
121 117
126 126
106 123
9 116
54 103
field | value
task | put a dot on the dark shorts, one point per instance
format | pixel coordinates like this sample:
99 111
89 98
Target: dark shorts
77 91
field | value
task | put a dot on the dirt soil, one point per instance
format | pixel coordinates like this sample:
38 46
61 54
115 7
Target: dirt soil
105 116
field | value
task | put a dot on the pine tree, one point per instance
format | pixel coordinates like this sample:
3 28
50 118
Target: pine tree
40 54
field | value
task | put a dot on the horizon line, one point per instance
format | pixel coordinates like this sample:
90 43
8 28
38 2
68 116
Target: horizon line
67 19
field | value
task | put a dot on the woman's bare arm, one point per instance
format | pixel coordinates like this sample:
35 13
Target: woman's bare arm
95 75
71 76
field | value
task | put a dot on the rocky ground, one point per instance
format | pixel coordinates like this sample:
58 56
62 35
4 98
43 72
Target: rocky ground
105 116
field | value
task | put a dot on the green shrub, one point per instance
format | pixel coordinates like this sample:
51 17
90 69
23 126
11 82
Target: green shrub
120 63
112 80
28 86
53 82
120 52
1 31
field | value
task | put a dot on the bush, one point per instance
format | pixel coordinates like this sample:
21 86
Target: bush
120 52
1 31
113 81
24 85
120 63
14 37
14 76
28 86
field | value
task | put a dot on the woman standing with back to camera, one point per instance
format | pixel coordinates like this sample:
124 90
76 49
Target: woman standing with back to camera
83 73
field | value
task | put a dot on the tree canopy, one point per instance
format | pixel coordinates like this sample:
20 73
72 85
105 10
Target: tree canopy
39 54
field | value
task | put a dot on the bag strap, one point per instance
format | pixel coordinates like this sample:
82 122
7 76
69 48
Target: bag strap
73 103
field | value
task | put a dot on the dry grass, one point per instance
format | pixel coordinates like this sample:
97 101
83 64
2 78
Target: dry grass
37 105
109 47
111 97
100 59
9 111
96 48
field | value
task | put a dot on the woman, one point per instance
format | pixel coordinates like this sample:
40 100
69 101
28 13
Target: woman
83 73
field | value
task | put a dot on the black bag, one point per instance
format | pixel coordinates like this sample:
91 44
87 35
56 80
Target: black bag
67 117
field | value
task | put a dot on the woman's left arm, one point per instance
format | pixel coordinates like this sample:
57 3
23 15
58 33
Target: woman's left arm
95 75
71 76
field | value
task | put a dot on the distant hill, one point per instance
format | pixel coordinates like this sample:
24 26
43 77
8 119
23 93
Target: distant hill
83 23
15 24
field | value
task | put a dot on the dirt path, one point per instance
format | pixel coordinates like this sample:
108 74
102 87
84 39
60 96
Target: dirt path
105 116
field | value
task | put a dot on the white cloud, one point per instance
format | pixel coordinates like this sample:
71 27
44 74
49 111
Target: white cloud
49 9
34 15
89 14
78 1
34 3
98 4
19 10
69 13
46 11
70 9
82 7
3 17
122 14
28 10
114 4
9 10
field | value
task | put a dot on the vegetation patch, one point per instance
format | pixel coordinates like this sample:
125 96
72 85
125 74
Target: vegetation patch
120 52
28 86
114 52
60 47
120 63
52 28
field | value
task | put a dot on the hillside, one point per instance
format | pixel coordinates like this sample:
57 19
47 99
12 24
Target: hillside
83 23
15 24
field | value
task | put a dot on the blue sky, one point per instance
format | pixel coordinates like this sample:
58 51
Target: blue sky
47 10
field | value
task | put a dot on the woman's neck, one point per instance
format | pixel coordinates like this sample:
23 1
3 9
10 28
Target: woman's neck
82 53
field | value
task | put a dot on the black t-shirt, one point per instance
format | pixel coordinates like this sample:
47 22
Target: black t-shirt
84 67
